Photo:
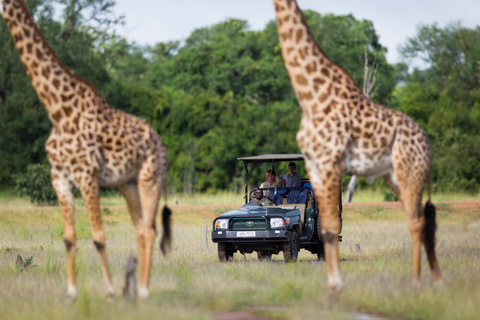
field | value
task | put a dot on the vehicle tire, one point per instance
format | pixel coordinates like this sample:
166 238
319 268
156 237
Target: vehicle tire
225 252
264 255
321 251
291 247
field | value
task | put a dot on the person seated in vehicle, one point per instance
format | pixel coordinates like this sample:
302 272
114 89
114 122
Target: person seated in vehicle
272 182
260 199
292 179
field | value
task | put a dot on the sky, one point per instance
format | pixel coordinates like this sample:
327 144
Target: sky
151 21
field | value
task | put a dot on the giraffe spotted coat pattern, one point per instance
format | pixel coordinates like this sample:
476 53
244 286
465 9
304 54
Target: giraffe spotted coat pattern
344 132
92 145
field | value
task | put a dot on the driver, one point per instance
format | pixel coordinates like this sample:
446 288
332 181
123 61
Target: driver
260 199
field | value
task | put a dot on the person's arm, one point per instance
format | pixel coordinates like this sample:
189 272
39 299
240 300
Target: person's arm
279 182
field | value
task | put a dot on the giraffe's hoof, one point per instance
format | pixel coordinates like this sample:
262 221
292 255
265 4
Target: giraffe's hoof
332 297
335 286
72 293
143 293
333 293
416 283
110 294
438 284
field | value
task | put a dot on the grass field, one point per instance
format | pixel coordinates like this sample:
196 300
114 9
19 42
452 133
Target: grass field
190 283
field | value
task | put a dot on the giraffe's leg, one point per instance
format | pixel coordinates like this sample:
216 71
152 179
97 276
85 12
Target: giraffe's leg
327 187
412 205
64 191
90 191
149 187
409 189
428 230
391 181
408 181
410 197
132 196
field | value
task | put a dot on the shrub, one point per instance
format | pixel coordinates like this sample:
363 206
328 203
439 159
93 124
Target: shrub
389 196
36 184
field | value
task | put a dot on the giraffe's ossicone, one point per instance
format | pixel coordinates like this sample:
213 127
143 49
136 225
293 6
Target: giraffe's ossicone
92 145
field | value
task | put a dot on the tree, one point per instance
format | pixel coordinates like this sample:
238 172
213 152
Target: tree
443 98
221 94
225 93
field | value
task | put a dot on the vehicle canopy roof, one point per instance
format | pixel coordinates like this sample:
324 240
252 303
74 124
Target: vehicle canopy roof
266 158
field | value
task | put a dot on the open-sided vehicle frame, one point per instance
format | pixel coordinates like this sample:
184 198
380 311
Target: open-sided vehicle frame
288 225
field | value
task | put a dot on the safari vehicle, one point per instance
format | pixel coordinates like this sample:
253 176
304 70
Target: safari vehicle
288 225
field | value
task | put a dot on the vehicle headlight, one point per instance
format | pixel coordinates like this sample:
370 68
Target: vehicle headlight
277 223
221 224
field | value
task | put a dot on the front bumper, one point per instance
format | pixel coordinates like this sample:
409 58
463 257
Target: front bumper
261 236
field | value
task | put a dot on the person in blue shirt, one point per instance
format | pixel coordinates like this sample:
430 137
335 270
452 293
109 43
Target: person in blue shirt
292 179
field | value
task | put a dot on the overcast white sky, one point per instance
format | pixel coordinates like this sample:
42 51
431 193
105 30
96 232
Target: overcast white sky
153 21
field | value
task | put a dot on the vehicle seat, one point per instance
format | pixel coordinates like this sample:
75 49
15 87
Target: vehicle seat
277 195
301 206
299 197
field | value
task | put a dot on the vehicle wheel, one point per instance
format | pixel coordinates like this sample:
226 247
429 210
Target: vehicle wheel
290 248
321 251
264 255
225 252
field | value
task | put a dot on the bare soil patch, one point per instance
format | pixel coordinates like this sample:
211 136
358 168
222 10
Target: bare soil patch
235 315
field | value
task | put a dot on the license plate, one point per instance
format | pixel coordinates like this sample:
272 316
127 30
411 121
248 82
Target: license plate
245 233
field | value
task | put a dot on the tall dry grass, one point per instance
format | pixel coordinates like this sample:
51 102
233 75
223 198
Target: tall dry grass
190 283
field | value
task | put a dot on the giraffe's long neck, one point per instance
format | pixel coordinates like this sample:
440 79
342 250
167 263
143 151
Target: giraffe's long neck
55 85
315 78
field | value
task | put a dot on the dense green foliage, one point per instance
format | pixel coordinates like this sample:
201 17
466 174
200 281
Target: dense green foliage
35 184
224 92
445 100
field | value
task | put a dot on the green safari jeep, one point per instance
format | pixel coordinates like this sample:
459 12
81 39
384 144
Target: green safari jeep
289 224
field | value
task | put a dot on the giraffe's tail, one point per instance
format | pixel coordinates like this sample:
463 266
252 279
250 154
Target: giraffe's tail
166 241
429 231
430 225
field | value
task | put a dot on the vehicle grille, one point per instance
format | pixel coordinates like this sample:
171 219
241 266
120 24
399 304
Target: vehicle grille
248 224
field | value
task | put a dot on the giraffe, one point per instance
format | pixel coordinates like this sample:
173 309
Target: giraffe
344 132
93 145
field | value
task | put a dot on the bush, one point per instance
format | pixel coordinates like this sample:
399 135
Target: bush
36 184
389 196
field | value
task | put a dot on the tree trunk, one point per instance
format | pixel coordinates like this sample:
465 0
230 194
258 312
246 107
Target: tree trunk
369 78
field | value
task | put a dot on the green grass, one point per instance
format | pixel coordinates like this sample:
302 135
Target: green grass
361 196
8 197
190 283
